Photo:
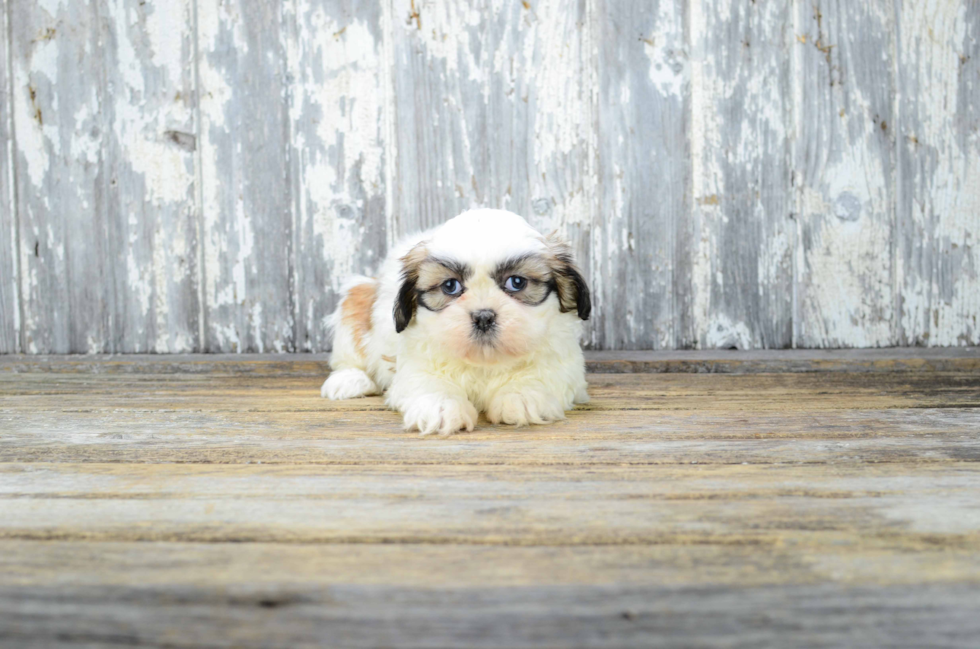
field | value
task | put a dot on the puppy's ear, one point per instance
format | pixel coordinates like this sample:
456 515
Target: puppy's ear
573 292
405 302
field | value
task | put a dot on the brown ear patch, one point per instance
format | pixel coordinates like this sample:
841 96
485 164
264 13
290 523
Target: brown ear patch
405 303
356 312
573 292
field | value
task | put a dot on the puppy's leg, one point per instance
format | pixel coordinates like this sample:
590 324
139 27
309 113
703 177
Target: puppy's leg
430 404
351 324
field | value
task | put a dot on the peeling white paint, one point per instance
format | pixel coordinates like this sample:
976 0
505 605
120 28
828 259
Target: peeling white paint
723 333
163 23
844 177
504 105
50 6
341 155
736 66
215 97
83 148
941 287
155 180
705 136
33 137
11 308
666 50
553 50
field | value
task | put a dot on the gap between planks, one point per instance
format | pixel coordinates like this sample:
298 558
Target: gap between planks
895 359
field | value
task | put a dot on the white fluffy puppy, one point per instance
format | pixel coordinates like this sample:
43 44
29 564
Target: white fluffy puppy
480 314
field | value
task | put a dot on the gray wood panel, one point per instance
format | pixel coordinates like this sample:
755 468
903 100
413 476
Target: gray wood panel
58 88
492 108
641 275
246 185
150 203
844 173
440 116
743 242
938 209
337 72
104 103
204 175
9 301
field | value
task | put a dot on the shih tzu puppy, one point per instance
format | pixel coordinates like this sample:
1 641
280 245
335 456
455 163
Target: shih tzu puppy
480 314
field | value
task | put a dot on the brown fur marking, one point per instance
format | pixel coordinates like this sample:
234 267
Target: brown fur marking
405 303
573 294
356 310
414 257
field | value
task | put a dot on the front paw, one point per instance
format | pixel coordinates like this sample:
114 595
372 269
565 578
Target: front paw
348 384
521 409
436 414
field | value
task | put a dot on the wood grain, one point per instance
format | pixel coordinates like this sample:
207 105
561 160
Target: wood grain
203 176
247 572
151 208
441 137
938 210
892 360
642 264
246 186
595 616
104 130
742 250
9 291
338 153
359 437
495 505
219 501
844 174
60 176
686 390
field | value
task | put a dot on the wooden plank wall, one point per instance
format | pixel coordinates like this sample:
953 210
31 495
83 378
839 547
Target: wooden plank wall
201 175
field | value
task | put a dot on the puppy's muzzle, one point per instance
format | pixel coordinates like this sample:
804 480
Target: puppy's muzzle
483 320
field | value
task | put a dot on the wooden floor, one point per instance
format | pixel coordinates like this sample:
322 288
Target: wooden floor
219 502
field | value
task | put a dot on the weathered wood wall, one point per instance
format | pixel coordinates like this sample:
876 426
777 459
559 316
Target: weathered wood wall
203 174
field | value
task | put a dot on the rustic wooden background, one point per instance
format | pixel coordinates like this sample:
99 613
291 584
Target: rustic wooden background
200 175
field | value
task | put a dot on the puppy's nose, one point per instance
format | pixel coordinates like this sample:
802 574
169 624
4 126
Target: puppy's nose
484 319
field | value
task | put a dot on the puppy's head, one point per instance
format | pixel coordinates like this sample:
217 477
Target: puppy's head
486 286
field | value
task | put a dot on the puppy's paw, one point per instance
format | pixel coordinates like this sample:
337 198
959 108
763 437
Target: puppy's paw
521 409
348 384
433 414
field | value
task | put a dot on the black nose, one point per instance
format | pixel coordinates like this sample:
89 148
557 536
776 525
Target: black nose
484 319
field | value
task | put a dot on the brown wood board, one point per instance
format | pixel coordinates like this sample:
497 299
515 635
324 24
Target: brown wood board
228 505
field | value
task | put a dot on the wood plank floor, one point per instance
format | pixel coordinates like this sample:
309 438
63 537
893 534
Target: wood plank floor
795 499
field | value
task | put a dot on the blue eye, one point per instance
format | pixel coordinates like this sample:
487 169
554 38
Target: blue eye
452 287
515 284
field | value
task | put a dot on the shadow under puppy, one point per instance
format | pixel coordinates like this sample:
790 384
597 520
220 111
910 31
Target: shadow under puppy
480 314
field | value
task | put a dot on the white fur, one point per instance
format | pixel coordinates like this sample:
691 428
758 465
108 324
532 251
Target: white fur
349 383
432 372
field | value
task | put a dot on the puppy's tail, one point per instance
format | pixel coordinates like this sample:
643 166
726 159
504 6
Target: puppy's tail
350 328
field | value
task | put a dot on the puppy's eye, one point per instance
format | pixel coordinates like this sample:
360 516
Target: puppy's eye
515 284
452 287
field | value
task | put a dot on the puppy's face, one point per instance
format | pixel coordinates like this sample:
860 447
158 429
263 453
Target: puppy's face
488 303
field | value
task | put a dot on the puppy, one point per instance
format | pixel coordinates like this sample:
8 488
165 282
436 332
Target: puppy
480 314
